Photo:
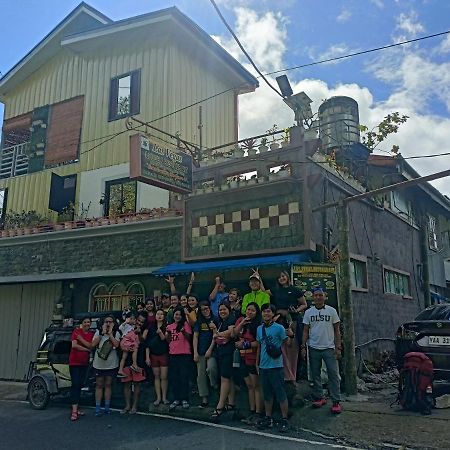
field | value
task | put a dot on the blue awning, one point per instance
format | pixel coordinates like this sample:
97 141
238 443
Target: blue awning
231 264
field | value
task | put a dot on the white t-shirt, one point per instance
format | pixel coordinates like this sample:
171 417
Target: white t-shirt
321 330
113 358
125 328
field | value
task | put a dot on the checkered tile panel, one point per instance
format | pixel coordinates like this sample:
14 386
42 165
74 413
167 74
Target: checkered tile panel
280 215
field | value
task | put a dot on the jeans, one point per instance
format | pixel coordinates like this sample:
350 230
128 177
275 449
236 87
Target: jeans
315 360
179 375
77 376
206 368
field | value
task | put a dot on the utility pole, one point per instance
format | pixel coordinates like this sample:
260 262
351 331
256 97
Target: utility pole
344 289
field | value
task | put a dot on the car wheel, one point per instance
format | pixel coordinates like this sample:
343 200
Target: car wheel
38 395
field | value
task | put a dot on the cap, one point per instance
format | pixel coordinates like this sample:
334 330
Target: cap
255 276
318 289
165 294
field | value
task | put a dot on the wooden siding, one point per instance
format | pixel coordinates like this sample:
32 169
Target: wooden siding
26 310
170 79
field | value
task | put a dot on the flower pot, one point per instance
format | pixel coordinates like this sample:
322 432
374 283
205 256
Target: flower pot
104 221
5 233
251 152
238 152
80 224
35 230
27 231
68 225
59 226
252 181
285 144
120 219
274 146
283 174
263 148
19 232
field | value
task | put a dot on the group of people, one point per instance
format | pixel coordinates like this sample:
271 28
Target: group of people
214 341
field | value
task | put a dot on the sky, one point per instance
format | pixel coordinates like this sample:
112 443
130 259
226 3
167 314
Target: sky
413 79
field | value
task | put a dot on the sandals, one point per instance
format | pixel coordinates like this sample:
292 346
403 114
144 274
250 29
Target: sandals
229 407
217 413
156 402
135 369
80 413
74 416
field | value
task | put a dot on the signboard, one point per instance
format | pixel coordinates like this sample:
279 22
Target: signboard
309 276
159 166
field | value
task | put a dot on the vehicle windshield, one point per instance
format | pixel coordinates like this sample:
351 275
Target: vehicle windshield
441 312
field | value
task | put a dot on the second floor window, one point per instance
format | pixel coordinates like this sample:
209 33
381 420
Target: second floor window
432 234
124 95
396 283
358 274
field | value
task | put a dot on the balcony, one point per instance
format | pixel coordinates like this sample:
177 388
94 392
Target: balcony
14 161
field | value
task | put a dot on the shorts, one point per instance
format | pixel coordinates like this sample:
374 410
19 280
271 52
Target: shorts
128 345
159 360
105 372
225 365
272 382
132 376
247 370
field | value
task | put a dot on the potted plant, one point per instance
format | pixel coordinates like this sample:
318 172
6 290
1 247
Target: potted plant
238 151
286 138
263 147
250 146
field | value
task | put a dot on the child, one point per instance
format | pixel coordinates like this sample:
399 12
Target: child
269 359
129 343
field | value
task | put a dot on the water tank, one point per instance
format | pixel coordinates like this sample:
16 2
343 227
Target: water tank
338 122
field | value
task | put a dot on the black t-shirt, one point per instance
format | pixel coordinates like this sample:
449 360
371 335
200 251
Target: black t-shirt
157 346
205 335
227 347
285 297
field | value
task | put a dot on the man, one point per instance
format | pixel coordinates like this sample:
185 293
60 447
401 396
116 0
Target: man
322 335
165 301
174 302
256 295
217 296
271 335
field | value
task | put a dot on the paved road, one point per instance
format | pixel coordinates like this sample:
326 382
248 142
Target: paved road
23 428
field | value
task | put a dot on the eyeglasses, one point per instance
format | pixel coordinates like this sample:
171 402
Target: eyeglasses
109 321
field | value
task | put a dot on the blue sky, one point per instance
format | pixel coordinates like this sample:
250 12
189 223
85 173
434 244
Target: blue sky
414 79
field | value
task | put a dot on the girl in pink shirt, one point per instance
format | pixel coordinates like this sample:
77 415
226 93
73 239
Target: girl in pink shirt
179 335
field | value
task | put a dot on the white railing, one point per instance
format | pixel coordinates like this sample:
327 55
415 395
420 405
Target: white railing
14 161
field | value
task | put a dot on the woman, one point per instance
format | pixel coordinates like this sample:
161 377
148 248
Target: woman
290 303
179 335
245 332
203 345
192 309
157 357
235 298
106 362
150 308
79 363
222 334
184 300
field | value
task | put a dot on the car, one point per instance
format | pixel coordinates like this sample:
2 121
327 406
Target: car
429 333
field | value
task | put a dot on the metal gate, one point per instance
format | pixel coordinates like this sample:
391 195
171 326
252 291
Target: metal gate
26 310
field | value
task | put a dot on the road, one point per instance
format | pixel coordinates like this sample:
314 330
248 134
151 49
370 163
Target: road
26 429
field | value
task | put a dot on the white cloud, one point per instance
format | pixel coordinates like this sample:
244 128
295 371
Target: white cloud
378 3
408 26
344 16
333 51
444 46
415 80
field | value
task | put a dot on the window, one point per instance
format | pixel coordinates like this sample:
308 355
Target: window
432 236
3 200
120 197
358 274
124 95
396 283
62 193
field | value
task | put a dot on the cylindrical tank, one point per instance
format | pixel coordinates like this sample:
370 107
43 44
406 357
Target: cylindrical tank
338 122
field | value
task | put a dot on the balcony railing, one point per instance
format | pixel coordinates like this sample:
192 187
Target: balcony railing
115 302
14 161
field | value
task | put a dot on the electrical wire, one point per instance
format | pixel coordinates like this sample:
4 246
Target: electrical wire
243 50
362 52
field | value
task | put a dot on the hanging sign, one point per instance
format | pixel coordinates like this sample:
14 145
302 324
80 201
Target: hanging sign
160 166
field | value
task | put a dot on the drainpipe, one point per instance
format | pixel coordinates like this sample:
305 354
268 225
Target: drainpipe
425 264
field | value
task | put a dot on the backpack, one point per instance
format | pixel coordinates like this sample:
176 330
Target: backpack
415 387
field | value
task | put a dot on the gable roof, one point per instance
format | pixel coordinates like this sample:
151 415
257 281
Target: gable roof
85 23
83 17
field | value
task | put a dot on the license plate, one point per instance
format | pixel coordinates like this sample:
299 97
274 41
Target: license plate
439 341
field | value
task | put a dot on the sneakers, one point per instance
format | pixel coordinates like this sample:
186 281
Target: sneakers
266 422
284 426
185 404
251 419
319 403
174 404
336 408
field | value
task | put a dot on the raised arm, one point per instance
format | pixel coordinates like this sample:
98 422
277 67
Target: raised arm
213 294
191 282
171 281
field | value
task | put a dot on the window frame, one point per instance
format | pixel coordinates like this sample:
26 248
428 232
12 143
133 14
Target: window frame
3 207
393 270
432 231
108 184
135 95
362 260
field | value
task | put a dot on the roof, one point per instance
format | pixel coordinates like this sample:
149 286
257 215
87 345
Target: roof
66 35
83 17
231 264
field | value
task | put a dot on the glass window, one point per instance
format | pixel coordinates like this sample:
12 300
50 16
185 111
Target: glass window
3 199
358 274
124 95
432 235
396 283
120 197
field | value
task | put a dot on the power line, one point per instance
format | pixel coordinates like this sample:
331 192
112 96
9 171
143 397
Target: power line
362 52
243 49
